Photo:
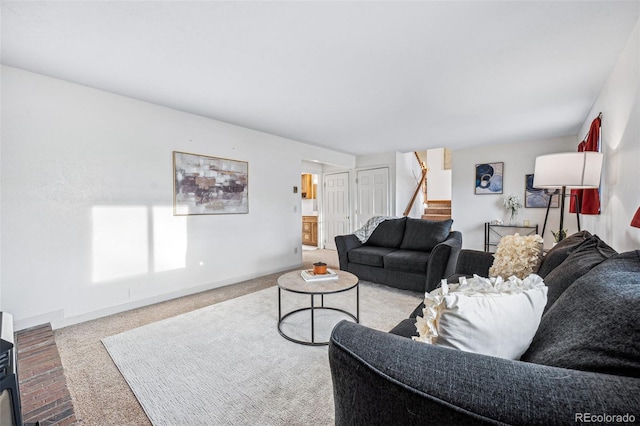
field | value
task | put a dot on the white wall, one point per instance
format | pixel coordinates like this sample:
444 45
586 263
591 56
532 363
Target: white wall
619 103
439 185
81 167
408 173
471 211
620 135
1 238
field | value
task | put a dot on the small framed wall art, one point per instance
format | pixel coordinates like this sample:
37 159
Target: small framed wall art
209 185
489 178
538 197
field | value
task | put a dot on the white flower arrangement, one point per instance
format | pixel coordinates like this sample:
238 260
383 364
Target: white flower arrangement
516 255
512 202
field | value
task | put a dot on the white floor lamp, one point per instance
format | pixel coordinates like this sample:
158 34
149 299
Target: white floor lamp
564 170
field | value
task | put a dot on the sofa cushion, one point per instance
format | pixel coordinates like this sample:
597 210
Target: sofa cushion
388 233
368 255
472 262
407 261
487 316
424 235
595 324
405 328
561 251
589 254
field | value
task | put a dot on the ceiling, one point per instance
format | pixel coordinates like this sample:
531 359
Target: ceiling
359 77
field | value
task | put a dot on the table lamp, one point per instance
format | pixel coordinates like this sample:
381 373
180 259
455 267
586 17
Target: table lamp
564 170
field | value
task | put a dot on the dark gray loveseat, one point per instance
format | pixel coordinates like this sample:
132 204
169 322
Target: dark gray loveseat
406 253
583 365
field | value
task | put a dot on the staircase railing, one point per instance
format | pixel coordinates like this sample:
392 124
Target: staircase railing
421 181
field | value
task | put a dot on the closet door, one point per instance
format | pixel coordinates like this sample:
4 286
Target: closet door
373 194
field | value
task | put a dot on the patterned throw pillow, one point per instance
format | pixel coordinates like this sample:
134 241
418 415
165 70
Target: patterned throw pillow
517 255
486 316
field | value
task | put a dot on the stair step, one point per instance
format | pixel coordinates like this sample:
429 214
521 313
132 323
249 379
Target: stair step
439 203
437 210
436 216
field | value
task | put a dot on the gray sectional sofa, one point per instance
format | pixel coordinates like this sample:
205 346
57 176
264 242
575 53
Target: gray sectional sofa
583 365
406 253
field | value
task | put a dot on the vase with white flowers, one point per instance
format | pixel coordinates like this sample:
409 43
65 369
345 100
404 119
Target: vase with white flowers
512 203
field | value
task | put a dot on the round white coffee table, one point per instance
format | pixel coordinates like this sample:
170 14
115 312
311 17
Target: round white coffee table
293 282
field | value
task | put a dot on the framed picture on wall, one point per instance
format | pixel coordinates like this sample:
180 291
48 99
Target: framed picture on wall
539 197
209 185
489 178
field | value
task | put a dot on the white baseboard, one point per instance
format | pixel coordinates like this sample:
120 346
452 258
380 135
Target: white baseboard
57 319
46 318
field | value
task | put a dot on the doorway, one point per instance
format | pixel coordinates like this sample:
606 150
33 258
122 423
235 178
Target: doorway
310 208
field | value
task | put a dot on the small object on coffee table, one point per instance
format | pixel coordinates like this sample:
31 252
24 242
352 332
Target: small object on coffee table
320 268
312 275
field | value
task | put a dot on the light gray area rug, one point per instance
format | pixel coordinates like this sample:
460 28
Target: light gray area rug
227 363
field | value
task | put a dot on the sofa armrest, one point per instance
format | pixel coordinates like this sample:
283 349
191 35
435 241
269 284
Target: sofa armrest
443 260
472 262
344 244
380 378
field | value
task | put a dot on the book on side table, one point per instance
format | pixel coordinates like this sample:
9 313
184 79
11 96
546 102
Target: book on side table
309 275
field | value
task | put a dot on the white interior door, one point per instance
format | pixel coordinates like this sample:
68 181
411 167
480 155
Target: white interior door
373 194
336 207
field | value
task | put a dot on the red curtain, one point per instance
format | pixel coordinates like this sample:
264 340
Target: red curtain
588 199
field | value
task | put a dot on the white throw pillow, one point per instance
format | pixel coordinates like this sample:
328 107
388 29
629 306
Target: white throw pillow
517 255
488 316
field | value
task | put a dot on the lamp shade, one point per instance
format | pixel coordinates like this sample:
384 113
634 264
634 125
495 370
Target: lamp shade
570 169
636 219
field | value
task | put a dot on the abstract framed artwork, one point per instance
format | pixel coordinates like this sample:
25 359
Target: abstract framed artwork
209 185
538 197
489 178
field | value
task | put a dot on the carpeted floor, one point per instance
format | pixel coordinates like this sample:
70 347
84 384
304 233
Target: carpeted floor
99 392
226 364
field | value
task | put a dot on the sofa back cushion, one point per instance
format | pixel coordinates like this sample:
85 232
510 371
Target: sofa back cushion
561 251
589 254
388 233
424 235
595 324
